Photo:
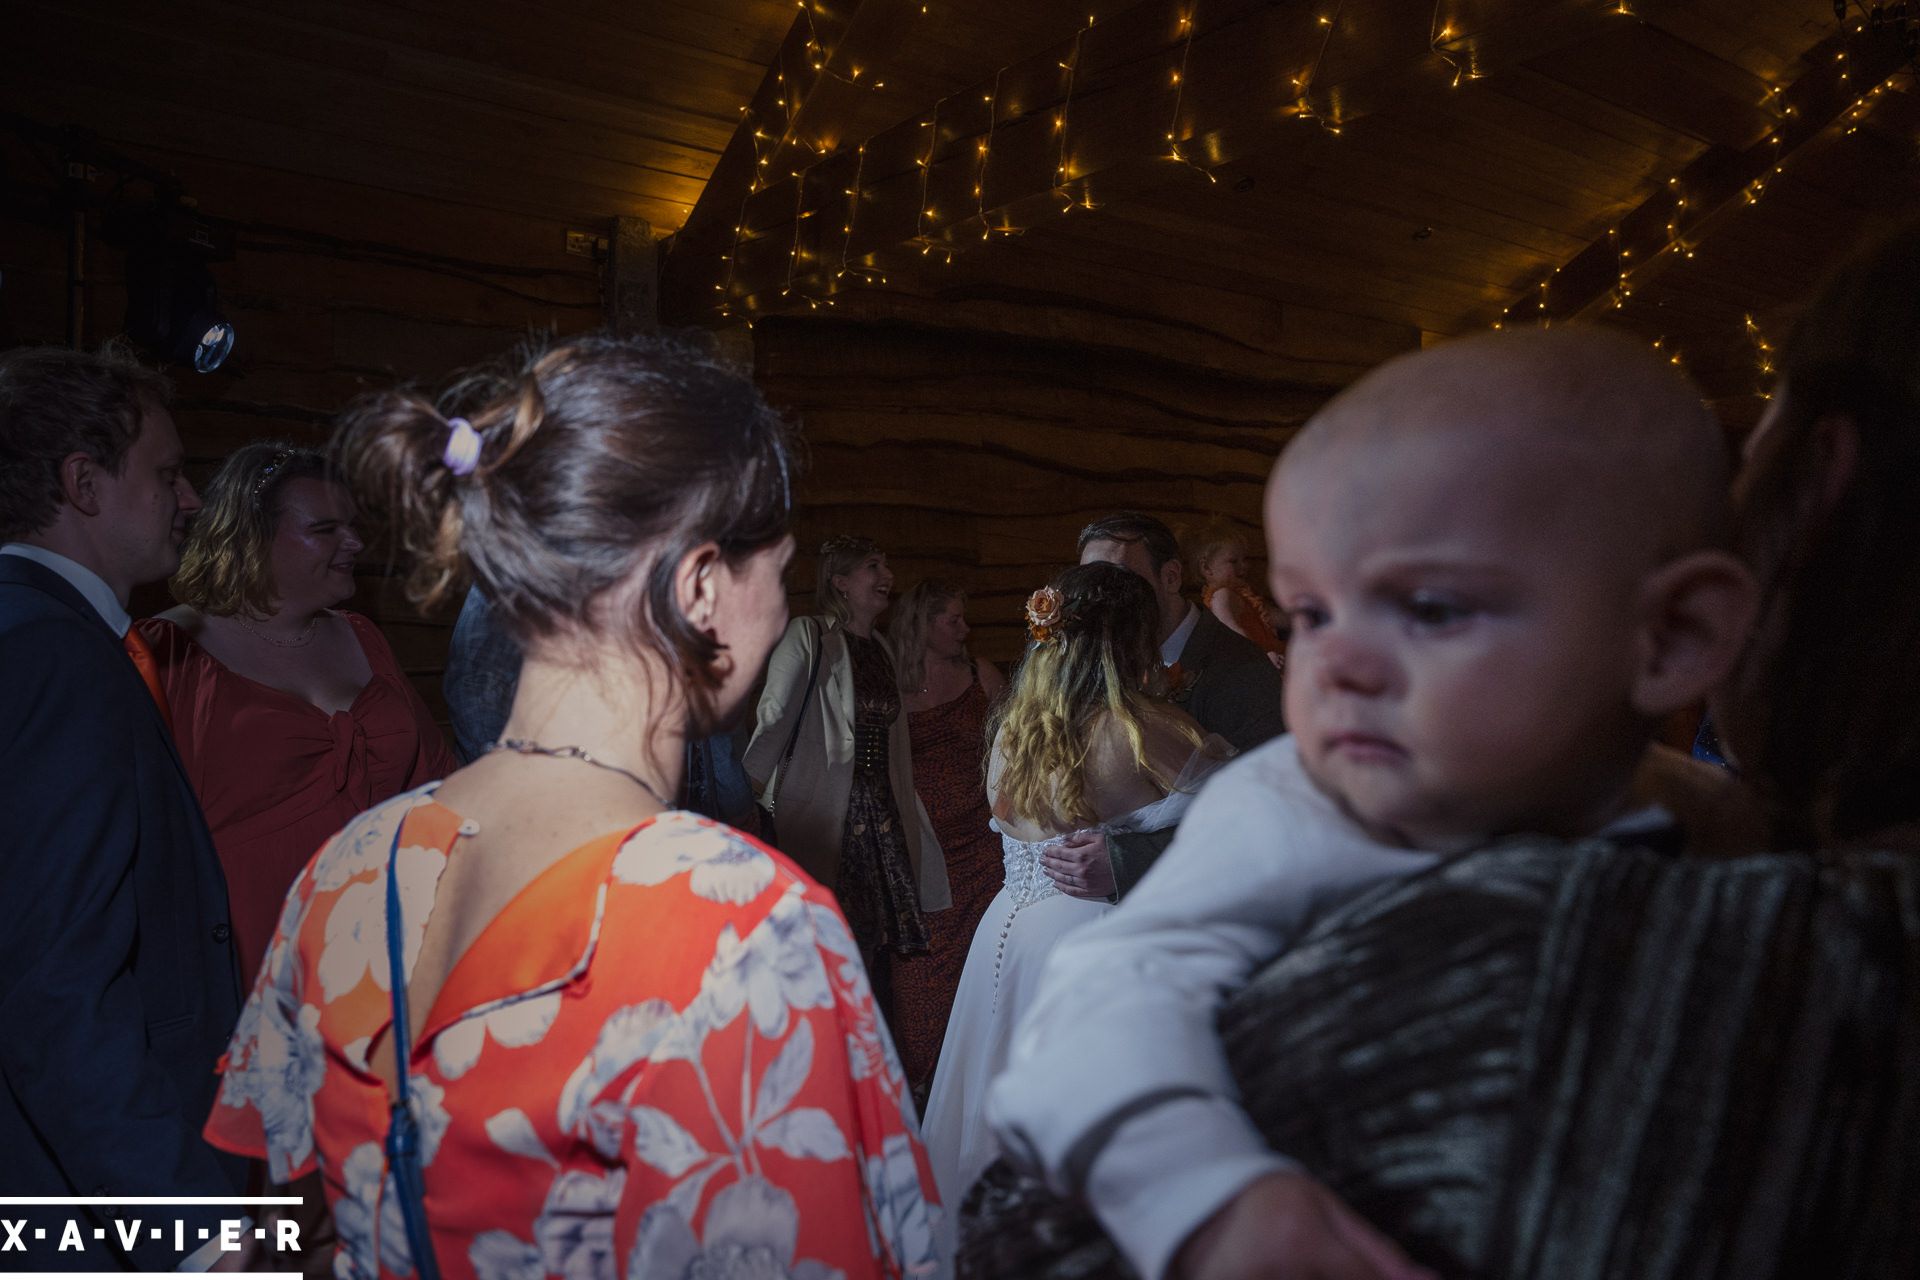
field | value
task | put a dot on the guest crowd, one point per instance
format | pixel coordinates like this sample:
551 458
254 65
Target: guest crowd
1216 939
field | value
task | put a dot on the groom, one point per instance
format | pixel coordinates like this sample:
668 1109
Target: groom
1220 678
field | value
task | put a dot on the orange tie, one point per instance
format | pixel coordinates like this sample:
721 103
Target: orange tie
136 646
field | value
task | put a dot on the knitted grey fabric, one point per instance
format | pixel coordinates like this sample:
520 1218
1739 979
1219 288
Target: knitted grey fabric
1583 1062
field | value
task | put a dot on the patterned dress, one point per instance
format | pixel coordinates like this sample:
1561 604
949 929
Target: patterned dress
949 746
876 887
660 1060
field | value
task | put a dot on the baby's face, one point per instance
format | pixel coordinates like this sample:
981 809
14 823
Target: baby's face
1226 565
1462 639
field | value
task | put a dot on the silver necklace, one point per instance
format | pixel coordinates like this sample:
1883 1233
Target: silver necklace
304 639
527 747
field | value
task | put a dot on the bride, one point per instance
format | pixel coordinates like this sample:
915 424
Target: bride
1079 742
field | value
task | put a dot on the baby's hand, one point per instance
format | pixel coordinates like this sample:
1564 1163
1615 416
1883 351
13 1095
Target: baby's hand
1286 1226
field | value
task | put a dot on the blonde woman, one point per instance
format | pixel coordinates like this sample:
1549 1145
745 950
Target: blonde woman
291 714
1082 741
830 758
948 698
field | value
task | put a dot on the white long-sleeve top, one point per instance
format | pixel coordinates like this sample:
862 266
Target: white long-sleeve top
1118 1086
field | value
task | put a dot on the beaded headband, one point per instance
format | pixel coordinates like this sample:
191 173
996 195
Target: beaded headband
269 471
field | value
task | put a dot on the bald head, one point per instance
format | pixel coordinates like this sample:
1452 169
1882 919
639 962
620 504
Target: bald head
1614 435
1500 557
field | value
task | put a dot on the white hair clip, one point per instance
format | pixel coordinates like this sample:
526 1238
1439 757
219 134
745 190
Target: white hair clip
462 453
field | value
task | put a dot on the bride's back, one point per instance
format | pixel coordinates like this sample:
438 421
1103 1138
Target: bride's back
1114 780
1079 741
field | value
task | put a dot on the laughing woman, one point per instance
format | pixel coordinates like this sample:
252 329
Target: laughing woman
291 714
831 758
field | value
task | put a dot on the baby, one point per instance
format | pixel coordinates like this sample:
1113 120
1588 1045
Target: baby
1222 562
1503 563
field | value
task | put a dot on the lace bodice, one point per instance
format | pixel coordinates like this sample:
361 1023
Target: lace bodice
1027 879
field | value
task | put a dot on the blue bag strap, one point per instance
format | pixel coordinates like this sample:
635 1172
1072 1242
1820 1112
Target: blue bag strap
403 1132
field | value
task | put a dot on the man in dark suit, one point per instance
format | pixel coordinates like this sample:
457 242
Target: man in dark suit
118 983
1222 679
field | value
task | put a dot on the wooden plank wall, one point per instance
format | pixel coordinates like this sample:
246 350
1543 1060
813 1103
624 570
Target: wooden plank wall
974 429
336 288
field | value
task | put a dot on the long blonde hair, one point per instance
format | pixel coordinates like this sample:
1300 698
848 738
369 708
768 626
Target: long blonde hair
1094 664
912 619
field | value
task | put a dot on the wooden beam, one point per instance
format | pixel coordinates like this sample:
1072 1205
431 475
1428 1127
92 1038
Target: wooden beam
1096 118
633 278
1844 81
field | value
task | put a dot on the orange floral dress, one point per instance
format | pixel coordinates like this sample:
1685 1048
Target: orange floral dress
1250 612
660 1060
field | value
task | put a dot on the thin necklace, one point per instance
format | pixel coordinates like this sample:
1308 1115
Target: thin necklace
527 747
927 683
301 641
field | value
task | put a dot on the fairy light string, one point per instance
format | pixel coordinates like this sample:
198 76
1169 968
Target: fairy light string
987 229
864 275
1304 108
1676 218
1179 95
1060 174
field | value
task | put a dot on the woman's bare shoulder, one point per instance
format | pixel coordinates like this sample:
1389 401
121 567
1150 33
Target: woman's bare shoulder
1123 773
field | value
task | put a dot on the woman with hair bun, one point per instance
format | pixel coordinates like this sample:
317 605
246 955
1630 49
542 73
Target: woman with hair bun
291 714
1085 739
532 1021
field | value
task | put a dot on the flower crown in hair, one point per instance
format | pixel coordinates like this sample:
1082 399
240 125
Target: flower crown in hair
1046 613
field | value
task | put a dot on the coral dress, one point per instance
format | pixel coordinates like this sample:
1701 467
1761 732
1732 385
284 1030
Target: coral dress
949 744
661 1060
277 776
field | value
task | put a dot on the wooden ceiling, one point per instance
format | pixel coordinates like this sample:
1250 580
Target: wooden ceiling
1396 160
1403 162
575 110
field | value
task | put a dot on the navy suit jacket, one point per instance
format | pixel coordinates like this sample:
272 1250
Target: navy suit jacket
118 982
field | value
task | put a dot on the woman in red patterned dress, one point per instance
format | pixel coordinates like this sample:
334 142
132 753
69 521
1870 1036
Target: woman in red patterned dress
947 695
641 1043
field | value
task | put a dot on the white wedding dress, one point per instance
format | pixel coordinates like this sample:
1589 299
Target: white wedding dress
1003 967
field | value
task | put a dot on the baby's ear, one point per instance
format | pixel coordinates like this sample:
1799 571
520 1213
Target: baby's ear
1695 615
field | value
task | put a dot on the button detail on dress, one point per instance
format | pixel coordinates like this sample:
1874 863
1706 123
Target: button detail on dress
221 932
468 827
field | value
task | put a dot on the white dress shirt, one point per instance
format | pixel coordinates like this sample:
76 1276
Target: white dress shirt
1118 1087
1176 644
109 606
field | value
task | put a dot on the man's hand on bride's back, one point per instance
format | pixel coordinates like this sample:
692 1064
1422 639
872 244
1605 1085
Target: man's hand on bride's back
1286 1226
1080 866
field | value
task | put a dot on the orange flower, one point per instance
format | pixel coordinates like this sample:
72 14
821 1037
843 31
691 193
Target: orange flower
1043 613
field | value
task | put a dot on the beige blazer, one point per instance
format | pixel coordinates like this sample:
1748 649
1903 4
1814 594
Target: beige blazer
810 803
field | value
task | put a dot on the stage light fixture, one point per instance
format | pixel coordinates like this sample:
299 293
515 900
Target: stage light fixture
173 307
